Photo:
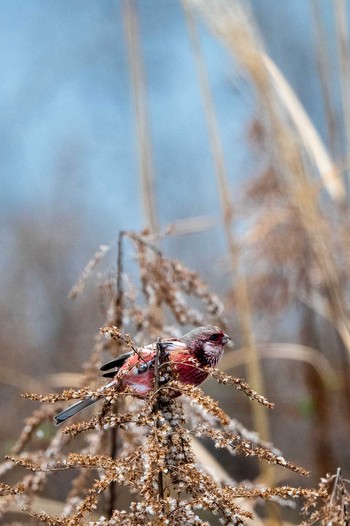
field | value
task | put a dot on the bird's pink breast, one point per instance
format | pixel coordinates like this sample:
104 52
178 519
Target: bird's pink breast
188 369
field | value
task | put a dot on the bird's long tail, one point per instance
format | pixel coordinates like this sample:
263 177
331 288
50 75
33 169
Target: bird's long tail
82 404
73 410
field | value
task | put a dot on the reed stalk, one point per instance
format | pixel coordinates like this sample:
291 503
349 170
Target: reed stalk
238 278
138 84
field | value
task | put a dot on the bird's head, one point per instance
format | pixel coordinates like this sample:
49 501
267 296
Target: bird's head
207 343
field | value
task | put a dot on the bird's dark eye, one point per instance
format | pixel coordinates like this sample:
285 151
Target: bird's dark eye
215 337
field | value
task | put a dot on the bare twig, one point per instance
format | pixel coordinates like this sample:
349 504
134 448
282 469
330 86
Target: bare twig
157 406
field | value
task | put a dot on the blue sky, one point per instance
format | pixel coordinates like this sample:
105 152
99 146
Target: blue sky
67 131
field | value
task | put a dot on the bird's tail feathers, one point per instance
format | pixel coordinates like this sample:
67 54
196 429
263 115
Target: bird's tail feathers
74 409
79 406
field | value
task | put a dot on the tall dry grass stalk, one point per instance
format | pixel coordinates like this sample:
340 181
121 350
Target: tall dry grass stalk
238 278
326 75
227 206
342 36
328 171
143 134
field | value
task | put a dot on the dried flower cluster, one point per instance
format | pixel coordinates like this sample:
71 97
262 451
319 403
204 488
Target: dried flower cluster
145 445
331 504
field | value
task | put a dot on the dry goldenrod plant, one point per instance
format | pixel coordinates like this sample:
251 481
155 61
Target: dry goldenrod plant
332 505
143 444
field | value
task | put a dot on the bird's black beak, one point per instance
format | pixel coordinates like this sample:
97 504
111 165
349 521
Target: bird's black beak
225 339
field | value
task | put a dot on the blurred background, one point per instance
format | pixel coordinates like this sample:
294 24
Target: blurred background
227 128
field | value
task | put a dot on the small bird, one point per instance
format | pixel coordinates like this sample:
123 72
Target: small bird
199 348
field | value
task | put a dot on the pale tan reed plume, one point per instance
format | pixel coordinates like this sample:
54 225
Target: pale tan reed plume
230 21
232 24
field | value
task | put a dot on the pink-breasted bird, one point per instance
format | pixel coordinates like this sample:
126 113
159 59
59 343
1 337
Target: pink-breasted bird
199 348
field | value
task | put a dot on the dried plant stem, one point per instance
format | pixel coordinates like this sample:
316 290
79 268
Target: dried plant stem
113 488
325 74
321 402
116 319
312 142
157 406
239 282
141 114
331 505
119 299
344 72
286 351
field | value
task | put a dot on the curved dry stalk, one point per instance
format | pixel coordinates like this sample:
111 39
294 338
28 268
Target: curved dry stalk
285 351
319 305
231 23
311 140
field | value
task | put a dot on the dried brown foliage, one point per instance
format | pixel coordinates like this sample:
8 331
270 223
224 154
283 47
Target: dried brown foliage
331 504
144 445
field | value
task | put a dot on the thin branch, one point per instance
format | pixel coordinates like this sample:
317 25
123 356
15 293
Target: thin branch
157 406
118 320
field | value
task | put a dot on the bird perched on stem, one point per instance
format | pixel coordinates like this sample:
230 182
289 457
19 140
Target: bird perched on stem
188 356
